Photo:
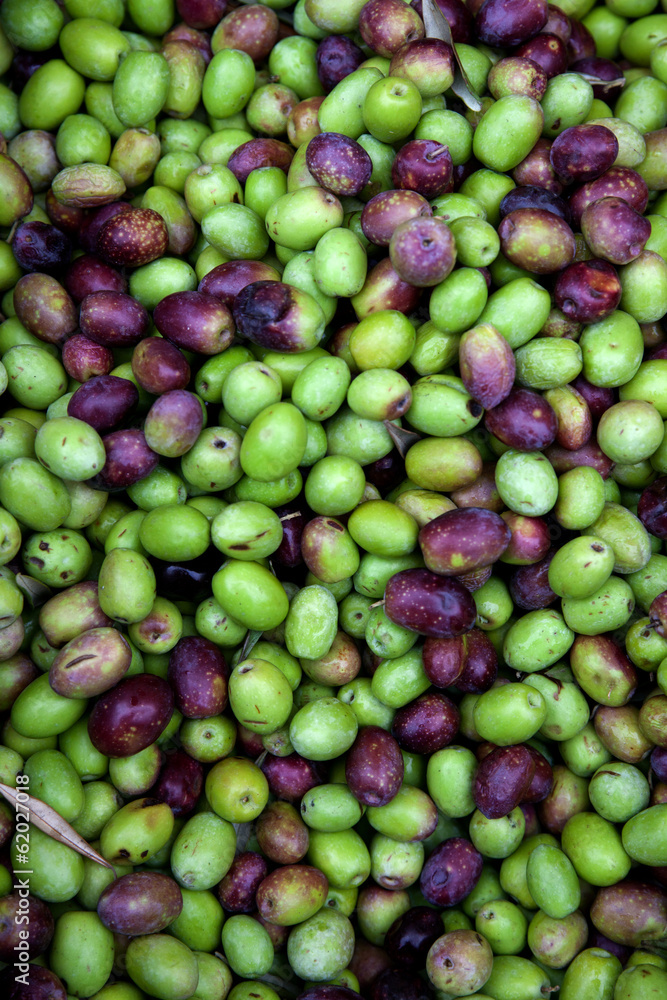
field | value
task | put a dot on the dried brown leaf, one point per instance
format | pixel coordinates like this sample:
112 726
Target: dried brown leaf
403 439
437 26
34 591
46 819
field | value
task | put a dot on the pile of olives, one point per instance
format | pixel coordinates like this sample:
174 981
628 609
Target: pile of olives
333 499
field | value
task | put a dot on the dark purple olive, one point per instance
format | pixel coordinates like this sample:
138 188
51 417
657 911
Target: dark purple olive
444 659
385 25
258 153
422 251
179 783
26 62
462 540
386 473
563 459
192 577
659 763
159 366
547 51
88 274
104 402
581 44
254 31
16 673
604 75
583 152
502 780
129 459
530 539
588 290
338 163
523 420
430 604
328 993
652 509
529 585
238 889
225 281
399 984
543 778
410 937
281 833
194 321
617 182
374 767
140 903
598 940
426 724
198 676
531 196
113 319
42 984
131 716
505 23
451 872
293 518
291 777
28 914
387 210
558 23
425 166
39 246
201 13
597 397
480 667
94 221
337 56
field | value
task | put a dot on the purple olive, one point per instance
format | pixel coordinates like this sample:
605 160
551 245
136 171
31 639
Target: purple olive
131 716
338 163
423 251
605 76
291 777
194 321
179 783
256 153
451 872
88 274
652 508
201 13
83 359
614 230
159 366
238 889
537 240
385 211
198 676
430 604
104 401
140 903
337 56
536 169
134 238
547 51
42 983
30 914
583 152
427 724
225 281
39 246
44 307
173 423
502 780
94 221
531 196
480 667
505 23
129 459
374 767
588 290
425 166
523 420
529 585
617 182
410 937
462 540
113 319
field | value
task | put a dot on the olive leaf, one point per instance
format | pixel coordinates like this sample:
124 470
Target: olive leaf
50 822
437 26
251 640
403 439
244 832
33 590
